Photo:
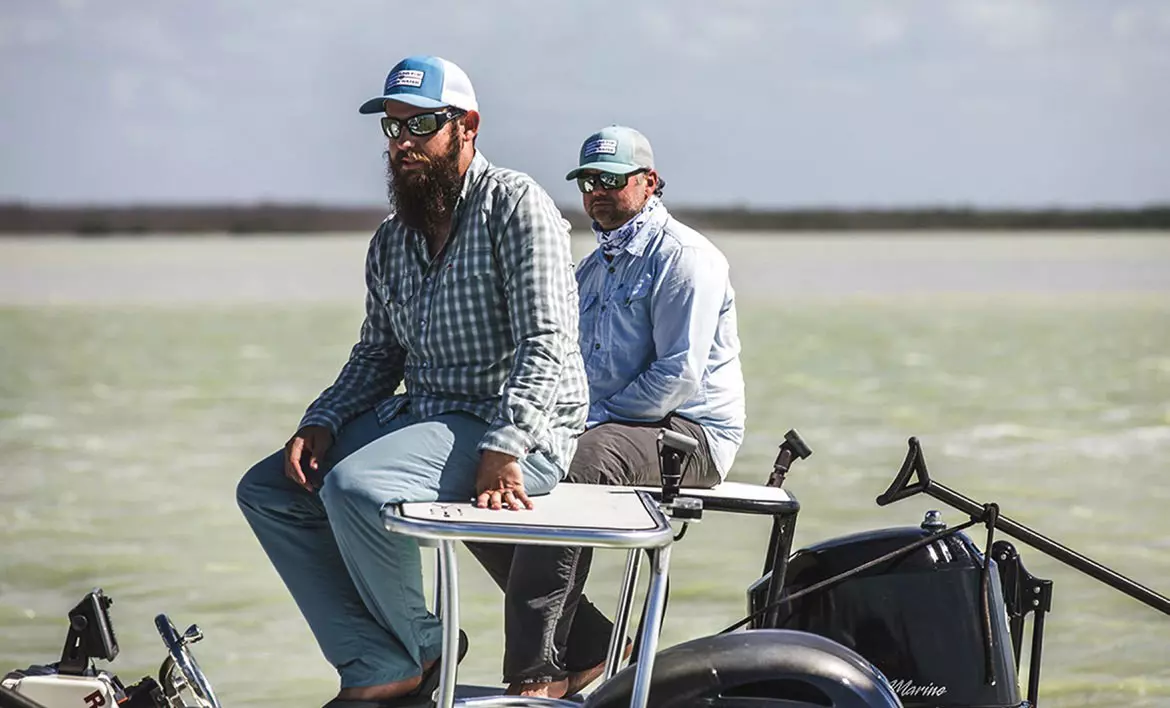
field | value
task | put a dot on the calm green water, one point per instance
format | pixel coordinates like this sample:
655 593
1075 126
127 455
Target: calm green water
124 427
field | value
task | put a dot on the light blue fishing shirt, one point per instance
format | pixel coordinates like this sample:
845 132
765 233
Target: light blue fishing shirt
658 333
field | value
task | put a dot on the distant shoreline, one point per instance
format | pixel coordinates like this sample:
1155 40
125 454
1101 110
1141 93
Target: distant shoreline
96 221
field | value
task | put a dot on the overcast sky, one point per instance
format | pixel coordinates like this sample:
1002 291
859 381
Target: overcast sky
760 103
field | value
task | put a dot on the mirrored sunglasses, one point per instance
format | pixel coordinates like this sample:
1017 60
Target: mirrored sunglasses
421 124
605 180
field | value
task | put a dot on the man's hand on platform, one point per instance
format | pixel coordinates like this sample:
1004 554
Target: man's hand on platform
499 482
306 447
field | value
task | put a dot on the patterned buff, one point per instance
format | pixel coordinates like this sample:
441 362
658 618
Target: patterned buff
614 242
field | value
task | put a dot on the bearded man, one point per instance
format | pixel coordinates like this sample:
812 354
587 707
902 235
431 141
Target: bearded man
471 304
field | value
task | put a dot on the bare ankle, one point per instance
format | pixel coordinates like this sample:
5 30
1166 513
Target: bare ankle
382 691
552 689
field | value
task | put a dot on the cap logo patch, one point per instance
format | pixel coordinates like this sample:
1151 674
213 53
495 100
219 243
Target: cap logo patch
405 77
600 146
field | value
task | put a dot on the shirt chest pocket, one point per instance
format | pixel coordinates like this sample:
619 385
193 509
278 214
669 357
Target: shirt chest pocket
638 292
469 280
398 300
478 262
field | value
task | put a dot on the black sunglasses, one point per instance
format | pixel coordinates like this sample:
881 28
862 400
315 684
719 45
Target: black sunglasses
421 124
605 180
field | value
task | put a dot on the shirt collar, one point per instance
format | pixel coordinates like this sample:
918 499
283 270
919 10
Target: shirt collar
475 170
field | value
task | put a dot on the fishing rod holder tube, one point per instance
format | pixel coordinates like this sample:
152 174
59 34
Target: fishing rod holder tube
673 448
792 448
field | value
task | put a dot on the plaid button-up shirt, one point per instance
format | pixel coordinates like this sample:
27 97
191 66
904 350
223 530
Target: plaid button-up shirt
488 327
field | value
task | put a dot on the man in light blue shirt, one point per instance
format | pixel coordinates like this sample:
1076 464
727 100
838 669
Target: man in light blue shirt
661 349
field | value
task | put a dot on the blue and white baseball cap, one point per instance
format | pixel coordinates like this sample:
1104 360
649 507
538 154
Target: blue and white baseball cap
426 82
615 149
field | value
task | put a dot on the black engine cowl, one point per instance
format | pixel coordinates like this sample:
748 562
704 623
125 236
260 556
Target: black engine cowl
919 618
756 668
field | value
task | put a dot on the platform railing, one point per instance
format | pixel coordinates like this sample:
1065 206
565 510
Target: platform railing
571 515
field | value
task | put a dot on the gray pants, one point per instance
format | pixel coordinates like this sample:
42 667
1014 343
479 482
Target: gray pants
551 629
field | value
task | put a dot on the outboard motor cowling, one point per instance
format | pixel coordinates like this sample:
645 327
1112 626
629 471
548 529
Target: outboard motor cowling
919 618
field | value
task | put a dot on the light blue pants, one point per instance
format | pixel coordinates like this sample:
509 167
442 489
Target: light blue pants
358 585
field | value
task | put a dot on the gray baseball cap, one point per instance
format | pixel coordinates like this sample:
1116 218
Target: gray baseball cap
615 149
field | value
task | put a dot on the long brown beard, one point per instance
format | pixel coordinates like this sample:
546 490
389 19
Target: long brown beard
424 198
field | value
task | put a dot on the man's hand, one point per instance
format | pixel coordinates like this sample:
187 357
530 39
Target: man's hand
499 482
308 444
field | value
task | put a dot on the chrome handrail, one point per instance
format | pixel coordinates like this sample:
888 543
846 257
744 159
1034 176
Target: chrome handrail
656 538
